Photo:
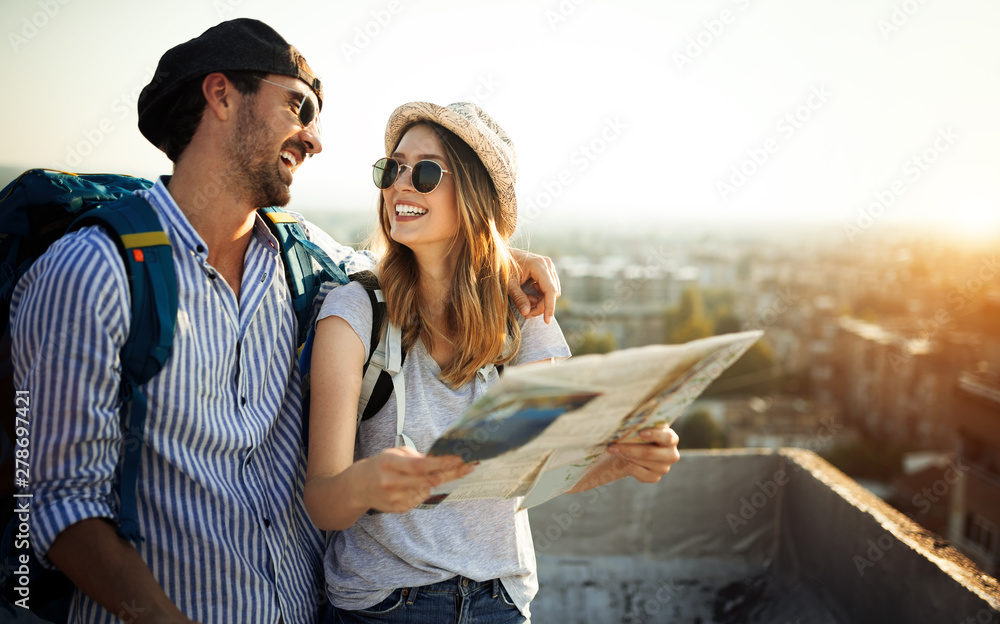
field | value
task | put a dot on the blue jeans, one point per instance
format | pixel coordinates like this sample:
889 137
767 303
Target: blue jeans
456 601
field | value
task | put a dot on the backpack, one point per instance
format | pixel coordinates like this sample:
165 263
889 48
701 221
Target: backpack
382 372
36 209
377 375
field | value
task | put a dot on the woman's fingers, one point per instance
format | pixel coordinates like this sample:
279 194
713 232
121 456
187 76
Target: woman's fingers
404 478
651 460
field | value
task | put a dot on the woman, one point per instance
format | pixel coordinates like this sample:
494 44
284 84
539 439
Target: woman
446 212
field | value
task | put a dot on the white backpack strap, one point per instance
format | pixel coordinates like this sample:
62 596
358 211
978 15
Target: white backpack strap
394 349
484 372
394 359
399 387
388 356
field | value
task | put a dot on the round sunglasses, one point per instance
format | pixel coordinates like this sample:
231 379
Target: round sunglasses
425 175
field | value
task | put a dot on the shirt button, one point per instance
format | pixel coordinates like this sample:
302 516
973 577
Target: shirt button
267 523
263 278
201 249
243 400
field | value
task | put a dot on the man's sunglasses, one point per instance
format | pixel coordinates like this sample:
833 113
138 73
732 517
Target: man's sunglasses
425 175
307 105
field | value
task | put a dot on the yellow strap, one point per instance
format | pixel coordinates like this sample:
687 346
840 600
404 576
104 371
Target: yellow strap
281 217
145 239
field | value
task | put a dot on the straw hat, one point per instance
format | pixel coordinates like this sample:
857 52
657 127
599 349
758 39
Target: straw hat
474 126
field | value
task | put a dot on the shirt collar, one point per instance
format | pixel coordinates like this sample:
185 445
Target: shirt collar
187 236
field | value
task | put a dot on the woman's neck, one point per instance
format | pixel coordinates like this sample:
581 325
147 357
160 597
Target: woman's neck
437 275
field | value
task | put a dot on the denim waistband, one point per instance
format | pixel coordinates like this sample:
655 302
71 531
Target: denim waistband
459 585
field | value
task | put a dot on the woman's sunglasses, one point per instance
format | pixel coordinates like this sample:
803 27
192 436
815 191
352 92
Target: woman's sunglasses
425 175
307 106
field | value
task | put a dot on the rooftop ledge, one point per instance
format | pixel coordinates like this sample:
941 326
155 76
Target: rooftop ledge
746 535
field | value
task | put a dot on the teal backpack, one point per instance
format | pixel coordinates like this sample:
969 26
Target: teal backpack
38 208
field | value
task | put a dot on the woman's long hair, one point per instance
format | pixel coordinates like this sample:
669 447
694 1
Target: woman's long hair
480 316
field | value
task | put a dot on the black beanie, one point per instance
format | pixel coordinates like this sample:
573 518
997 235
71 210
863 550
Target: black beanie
239 44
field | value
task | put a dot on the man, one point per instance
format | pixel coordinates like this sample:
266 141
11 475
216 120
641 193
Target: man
225 534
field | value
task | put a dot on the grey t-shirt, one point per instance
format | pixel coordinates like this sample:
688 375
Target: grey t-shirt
480 540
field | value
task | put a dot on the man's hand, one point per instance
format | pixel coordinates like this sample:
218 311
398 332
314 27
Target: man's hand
540 285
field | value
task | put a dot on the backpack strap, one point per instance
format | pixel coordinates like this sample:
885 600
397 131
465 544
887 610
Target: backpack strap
298 253
149 265
393 343
383 374
374 369
387 361
383 371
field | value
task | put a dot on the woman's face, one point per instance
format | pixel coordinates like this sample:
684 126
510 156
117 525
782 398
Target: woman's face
422 222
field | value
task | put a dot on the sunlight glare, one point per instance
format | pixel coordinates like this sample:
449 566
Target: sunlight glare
977 218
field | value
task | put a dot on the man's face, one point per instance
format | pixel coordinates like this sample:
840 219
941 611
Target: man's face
269 143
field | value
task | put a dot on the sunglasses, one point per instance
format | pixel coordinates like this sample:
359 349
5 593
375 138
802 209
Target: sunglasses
308 109
425 175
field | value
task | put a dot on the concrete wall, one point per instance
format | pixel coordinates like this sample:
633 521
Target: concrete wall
872 561
747 536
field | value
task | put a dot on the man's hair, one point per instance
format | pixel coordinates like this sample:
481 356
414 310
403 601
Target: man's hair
189 105
483 319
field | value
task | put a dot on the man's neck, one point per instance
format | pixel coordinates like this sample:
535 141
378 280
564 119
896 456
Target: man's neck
220 216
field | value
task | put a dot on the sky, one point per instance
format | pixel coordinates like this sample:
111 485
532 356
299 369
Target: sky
634 113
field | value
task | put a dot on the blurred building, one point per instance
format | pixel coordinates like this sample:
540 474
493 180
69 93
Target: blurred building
924 489
616 296
776 422
974 524
897 388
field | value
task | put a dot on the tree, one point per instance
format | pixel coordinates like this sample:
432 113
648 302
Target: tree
698 431
592 342
687 322
692 305
691 330
756 372
727 323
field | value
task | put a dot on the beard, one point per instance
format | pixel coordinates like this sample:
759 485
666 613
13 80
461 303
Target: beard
254 166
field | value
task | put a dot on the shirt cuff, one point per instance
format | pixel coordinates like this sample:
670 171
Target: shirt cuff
52 518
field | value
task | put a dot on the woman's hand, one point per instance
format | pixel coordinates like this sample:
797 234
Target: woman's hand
646 461
538 276
650 460
399 479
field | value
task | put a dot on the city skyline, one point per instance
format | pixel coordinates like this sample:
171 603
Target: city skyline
624 113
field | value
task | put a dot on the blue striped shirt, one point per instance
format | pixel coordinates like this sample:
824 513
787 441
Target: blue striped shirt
222 471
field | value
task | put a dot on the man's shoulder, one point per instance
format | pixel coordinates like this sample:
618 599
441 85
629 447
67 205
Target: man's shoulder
80 248
352 259
88 258
83 271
